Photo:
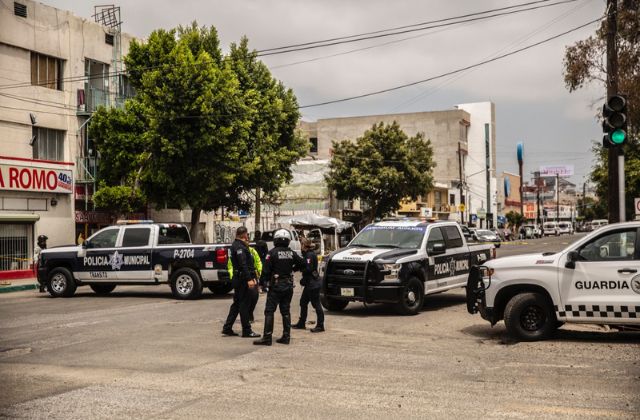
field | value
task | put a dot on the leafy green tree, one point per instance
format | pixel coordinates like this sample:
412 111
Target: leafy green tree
515 218
119 199
584 63
381 168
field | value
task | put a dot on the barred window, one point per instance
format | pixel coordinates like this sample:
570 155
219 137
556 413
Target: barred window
48 144
46 71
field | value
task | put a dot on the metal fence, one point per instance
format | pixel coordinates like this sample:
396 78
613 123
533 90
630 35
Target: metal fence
16 246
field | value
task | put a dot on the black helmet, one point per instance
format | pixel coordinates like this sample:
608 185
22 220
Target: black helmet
42 238
282 237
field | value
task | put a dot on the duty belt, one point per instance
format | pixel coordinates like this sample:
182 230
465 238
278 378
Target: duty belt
280 280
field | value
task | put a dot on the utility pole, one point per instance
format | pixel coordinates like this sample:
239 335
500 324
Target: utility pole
613 199
537 176
460 184
557 198
257 215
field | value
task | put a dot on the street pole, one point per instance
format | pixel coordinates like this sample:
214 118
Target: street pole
557 198
461 192
616 178
537 175
257 215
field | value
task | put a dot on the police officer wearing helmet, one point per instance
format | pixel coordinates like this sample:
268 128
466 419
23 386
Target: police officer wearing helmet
278 270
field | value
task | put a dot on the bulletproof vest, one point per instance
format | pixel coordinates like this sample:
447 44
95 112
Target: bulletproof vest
282 261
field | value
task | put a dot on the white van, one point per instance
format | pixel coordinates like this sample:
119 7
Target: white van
598 223
550 228
565 228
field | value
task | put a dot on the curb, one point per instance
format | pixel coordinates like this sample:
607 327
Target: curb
18 288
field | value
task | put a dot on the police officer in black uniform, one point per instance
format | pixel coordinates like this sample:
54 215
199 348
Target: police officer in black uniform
312 285
278 270
244 280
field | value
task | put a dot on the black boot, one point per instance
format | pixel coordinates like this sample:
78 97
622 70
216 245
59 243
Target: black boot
300 325
268 332
317 329
286 330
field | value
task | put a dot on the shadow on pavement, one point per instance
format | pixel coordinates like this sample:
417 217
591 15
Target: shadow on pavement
123 293
431 303
500 336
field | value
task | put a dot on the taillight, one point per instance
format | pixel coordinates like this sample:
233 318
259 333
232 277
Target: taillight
221 256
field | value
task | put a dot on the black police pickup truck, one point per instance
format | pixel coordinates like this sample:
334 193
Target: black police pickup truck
141 253
400 262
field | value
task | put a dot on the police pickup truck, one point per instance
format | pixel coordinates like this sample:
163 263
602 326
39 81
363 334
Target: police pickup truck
400 262
595 280
136 254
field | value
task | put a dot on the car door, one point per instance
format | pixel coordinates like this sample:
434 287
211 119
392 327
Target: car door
98 259
135 249
604 287
459 256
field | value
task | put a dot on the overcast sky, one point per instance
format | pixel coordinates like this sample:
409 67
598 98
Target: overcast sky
532 104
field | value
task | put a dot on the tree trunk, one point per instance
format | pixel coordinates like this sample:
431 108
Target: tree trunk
257 215
195 221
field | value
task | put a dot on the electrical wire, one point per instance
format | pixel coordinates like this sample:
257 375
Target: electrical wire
481 63
381 32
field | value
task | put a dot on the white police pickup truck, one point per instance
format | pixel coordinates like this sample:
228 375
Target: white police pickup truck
137 253
595 280
400 262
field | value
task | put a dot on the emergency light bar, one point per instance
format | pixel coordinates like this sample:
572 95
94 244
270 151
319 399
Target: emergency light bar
134 222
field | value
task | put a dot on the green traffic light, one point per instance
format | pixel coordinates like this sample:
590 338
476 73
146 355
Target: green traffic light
618 136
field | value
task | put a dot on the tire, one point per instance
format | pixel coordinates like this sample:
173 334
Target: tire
221 289
333 305
102 289
530 317
186 284
61 283
412 297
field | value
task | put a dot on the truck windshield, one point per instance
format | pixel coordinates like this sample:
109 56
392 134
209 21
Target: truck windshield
172 235
409 237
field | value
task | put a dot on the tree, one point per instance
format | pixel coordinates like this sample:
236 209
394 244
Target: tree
381 168
119 199
584 63
515 218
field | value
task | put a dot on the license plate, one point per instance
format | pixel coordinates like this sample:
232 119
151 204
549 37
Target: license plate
348 291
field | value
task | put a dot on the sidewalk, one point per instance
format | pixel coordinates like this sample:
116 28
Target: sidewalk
18 285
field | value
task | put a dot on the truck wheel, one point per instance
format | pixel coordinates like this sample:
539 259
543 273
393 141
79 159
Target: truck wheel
186 284
412 297
61 283
221 289
530 317
102 289
333 305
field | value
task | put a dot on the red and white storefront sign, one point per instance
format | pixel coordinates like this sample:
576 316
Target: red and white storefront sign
31 175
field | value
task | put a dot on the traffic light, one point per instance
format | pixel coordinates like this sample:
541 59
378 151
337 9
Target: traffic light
614 124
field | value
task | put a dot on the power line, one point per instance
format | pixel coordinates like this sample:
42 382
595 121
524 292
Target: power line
481 63
398 28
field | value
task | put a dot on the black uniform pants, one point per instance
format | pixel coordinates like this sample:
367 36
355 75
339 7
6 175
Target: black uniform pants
279 296
241 305
255 295
311 296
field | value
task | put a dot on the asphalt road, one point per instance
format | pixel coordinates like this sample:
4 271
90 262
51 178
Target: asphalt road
139 353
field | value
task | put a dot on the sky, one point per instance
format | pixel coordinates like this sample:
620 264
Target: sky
532 104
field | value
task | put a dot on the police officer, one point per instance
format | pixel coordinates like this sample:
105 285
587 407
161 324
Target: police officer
243 280
278 270
312 284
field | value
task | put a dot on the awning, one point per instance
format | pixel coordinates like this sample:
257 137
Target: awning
19 217
314 220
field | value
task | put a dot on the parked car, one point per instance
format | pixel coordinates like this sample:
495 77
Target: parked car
598 223
267 236
532 232
550 228
487 236
565 228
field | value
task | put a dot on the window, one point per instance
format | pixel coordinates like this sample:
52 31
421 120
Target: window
437 196
452 199
170 235
615 246
19 9
104 239
16 244
46 71
48 144
454 240
136 237
435 237
108 39
313 148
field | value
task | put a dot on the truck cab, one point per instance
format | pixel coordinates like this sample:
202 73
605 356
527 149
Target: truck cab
595 280
399 262
135 253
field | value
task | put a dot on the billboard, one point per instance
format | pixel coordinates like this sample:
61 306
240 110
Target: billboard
560 170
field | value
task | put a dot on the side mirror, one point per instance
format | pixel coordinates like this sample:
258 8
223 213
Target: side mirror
572 257
438 248
85 244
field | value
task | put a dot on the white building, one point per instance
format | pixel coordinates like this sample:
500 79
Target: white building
55 69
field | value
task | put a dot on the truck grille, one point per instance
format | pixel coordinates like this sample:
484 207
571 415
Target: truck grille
350 273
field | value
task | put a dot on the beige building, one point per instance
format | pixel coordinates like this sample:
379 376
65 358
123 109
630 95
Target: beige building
464 153
55 70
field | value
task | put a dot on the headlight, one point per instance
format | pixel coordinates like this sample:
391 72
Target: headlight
391 267
391 271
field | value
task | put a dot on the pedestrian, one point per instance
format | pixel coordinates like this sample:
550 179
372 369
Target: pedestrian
81 238
255 294
243 281
278 270
312 285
